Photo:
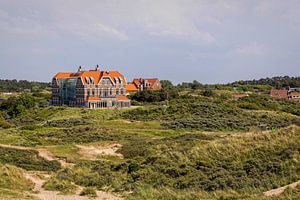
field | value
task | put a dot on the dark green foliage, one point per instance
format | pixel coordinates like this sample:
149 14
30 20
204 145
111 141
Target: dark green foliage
20 86
154 96
195 85
206 114
265 102
166 84
279 82
70 136
69 123
207 93
15 106
27 159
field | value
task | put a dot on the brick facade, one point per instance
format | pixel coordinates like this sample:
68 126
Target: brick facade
91 89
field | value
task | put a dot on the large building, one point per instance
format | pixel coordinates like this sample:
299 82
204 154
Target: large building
91 89
141 84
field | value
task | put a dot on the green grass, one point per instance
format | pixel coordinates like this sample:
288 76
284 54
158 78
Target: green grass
67 152
27 159
13 178
13 184
167 154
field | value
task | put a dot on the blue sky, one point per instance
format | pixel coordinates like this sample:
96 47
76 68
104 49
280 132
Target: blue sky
212 41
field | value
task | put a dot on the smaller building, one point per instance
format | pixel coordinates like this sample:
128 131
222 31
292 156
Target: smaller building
141 84
279 93
294 96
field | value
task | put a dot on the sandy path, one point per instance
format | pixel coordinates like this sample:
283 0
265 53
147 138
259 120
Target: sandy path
278 191
91 152
44 153
52 195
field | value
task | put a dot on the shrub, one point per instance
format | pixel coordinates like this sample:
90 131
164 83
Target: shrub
4 124
27 159
64 186
88 191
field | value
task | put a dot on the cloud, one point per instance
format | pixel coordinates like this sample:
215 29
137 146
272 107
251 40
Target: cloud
111 31
252 49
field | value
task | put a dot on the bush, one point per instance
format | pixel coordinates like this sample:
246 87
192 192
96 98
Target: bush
206 114
4 124
88 191
16 106
64 186
154 96
27 159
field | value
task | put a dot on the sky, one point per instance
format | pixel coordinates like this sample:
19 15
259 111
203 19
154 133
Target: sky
212 41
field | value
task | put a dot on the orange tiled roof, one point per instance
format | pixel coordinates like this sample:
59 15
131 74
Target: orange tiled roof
151 81
96 75
66 75
122 98
93 98
131 87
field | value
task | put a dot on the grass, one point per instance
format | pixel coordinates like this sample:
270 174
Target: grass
27 159
167 154
13 185
12 177
67 152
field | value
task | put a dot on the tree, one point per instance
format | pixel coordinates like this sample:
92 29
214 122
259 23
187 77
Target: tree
166 84
16 106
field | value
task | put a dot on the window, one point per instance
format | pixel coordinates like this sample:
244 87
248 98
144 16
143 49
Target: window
110 91
105 92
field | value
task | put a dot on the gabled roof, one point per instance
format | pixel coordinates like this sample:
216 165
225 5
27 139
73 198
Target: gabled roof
139 81
92 76
131 87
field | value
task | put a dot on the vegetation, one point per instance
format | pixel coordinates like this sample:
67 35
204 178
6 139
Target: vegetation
13 178
279 82
189 141
21 85
89 191
27 159
205 114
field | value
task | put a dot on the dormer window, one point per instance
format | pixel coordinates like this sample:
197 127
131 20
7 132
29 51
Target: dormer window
116 80
120 80
87 80
92 80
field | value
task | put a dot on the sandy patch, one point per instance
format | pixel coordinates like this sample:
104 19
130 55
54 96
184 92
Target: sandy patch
91 152
44 153
53 195
278 191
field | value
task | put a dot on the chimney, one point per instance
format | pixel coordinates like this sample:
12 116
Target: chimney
79 69
97 68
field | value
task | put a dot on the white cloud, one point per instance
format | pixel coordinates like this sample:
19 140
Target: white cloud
111 31
252 49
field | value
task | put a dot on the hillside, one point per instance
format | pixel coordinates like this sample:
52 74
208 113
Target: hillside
191 147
